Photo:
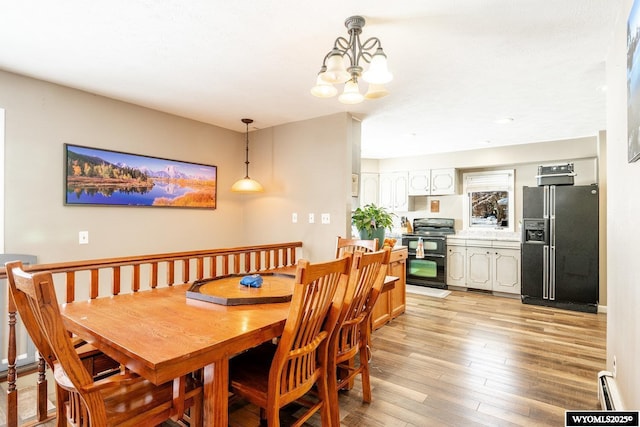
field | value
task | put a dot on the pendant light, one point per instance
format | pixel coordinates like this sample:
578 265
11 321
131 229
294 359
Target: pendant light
246 184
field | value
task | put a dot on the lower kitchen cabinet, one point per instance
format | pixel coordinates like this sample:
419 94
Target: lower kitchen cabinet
456 264
492 265
392 304
506 270
479 274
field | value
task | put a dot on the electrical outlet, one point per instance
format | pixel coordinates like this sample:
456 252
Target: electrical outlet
312 218
294 217
83 237
325 218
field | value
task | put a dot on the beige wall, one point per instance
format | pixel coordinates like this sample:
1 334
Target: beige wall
299 164
623 227
308 171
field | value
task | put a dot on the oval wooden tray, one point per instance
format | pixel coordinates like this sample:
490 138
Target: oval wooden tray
227 290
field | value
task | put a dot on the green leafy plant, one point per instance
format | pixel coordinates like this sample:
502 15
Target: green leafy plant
370 218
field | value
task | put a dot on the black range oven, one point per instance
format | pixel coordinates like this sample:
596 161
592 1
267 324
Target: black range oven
428 267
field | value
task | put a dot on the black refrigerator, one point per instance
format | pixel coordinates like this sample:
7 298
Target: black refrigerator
560 246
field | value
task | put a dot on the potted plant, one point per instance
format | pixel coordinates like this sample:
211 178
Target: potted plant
371 222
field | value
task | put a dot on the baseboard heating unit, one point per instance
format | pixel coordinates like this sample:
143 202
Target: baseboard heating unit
608 392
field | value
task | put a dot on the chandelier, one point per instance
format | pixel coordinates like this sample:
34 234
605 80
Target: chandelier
344 64
246 184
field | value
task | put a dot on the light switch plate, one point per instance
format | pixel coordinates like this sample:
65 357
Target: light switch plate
312 218
83 237
325 218
294 217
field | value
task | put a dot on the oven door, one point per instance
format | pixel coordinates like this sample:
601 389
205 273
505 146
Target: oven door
428 271
433 245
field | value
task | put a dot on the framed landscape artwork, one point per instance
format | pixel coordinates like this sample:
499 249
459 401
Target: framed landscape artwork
633 83
103 177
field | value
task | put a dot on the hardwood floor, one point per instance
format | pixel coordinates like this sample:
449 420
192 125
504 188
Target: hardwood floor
473 359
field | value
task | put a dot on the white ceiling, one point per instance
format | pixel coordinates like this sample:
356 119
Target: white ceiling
458 64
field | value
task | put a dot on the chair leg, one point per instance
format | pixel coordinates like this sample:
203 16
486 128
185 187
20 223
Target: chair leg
332 390
330 411
364 373
272 414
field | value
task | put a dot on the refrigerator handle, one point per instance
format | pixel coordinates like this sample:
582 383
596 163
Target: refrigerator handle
552 276
545 272
545 201
552 216
552 243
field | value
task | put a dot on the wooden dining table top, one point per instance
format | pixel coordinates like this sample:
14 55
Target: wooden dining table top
161 334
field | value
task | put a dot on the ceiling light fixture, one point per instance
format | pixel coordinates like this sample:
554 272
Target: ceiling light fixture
335 71
246 184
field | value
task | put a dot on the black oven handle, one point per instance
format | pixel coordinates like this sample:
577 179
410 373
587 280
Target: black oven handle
443 238
413 256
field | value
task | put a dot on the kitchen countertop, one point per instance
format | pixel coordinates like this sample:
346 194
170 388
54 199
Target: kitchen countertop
487 235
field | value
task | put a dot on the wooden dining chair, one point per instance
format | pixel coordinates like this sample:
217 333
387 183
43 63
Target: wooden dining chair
350 337
117 400
272 376
344 245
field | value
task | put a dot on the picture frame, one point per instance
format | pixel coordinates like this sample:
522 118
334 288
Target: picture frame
101 177
633 83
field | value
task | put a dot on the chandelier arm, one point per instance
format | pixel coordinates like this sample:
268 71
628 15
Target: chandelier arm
342 44
372 43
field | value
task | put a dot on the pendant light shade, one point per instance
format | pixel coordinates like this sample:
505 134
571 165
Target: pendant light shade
351 94
246 184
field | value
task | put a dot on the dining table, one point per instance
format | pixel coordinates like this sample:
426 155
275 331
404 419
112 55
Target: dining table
161 334
165 333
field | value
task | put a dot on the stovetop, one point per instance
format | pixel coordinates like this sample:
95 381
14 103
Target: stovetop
432 227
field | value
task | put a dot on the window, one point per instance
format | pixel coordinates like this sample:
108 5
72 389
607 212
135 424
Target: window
489 201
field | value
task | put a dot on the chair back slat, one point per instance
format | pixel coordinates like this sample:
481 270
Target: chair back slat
355 245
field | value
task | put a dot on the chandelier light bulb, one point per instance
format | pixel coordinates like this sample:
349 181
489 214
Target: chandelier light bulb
336 70
351 94
378 71
323 89
376 91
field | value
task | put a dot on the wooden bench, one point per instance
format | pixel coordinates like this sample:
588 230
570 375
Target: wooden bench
112 276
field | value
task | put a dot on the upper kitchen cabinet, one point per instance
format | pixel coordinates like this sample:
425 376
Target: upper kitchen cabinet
368 188
394 190
432 182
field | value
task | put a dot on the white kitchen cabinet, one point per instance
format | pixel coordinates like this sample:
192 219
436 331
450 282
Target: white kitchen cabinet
479 268
420 182
506 270
443 182
432 182
456 264
492 265
368 188
394 193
